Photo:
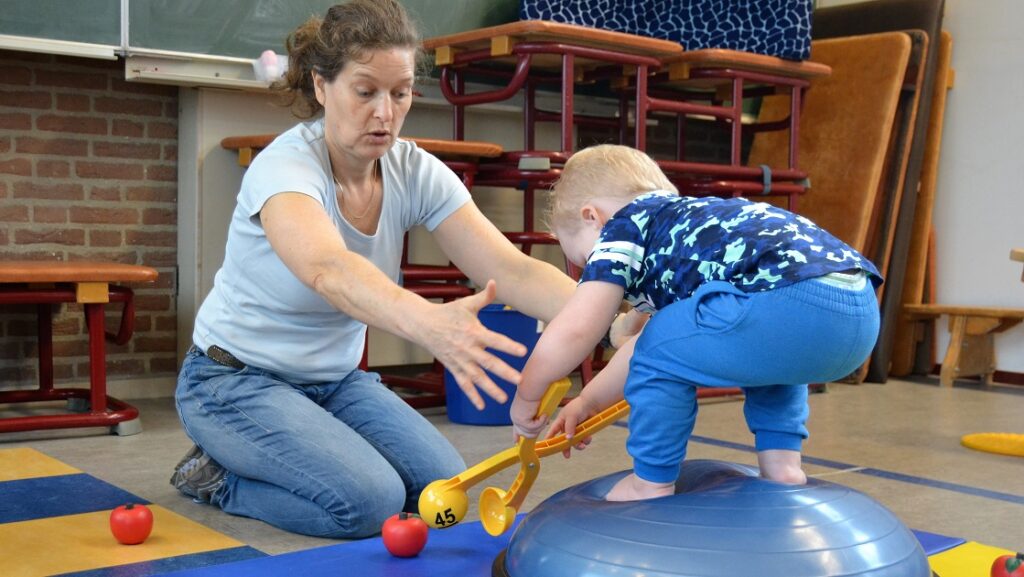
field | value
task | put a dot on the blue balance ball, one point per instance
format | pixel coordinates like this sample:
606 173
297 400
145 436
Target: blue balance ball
723 521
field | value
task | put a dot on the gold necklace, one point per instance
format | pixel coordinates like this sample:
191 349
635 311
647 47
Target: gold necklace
373 194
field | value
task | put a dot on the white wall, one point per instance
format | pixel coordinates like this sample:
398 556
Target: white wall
208 181
979 202
979 211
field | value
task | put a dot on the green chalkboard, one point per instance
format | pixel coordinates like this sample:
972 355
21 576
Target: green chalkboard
239 28
91 21
440 17
245 28
242 28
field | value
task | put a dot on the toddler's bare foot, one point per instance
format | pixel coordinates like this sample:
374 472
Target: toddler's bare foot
782 467
789 477
633 488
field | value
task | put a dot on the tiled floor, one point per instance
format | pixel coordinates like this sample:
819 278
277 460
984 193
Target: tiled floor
897 442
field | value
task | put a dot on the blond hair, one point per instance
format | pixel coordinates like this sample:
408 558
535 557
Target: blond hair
348 32
603 171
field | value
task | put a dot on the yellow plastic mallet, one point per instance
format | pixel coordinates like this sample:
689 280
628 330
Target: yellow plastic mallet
444 502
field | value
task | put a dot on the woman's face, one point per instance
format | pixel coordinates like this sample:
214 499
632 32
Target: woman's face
366 104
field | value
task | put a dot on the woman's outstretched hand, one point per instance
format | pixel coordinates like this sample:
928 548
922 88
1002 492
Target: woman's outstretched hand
457 338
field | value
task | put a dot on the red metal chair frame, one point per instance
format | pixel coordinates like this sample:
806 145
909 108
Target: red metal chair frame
734 179
699 178
453 85
505 171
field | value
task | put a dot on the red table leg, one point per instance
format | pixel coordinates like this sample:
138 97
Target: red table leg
44 324
103 410
97 357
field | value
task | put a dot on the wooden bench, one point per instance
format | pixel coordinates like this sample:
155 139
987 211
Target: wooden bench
972 333
448 150
90 283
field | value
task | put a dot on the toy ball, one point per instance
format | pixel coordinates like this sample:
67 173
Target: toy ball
723 521
442 506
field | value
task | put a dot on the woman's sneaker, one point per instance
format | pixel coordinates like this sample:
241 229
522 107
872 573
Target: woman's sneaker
198 475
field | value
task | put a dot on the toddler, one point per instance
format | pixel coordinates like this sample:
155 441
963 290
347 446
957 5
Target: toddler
741 293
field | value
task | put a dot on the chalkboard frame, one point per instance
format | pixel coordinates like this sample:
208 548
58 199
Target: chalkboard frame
224 28
201 42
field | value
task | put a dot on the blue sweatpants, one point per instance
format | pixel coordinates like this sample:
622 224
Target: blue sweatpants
771 344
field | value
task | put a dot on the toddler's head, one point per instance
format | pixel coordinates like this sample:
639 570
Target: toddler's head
606 171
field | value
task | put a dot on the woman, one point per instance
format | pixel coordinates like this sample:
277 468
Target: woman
291 431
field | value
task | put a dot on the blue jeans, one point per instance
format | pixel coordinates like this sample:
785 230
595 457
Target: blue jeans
771 344
330 460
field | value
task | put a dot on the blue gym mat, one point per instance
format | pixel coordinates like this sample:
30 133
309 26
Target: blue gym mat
47 500
54 520
465 550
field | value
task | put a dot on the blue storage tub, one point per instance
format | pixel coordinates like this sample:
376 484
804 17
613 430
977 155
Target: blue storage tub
516 326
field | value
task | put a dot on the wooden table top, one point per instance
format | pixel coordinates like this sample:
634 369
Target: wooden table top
501 39
257 141
544 31
34 271
444 149
722 58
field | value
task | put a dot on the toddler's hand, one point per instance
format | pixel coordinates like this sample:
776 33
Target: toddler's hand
525 422
571 415
626 326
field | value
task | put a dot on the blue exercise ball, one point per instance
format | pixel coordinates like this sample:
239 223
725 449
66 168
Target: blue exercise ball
724 521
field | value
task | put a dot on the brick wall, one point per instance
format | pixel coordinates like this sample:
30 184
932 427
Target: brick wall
88 171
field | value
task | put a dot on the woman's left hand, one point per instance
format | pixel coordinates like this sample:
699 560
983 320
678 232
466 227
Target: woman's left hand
454 334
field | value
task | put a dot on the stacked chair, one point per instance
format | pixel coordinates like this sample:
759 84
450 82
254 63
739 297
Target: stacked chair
865 138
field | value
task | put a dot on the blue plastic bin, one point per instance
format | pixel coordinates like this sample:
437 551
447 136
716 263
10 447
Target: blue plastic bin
516 326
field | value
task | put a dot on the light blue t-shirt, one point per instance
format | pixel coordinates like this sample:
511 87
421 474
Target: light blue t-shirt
258 310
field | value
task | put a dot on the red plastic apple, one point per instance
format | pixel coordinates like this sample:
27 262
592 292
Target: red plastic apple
404 535
131 523
1009 566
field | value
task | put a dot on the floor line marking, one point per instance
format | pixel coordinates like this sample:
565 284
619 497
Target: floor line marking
872 472
840 472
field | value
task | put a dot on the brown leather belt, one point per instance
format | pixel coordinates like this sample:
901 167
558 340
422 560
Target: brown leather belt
222 357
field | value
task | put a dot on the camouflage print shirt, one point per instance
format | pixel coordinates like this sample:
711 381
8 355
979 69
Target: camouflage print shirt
661 247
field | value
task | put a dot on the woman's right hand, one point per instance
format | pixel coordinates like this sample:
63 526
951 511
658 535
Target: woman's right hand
568 418
456 337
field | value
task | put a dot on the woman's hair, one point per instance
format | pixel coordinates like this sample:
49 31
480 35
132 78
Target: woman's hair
603 171
349 31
